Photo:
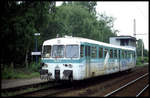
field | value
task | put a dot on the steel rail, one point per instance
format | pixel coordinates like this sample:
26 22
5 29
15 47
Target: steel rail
52 91
37 86
45 88
142 90
25 86
125 85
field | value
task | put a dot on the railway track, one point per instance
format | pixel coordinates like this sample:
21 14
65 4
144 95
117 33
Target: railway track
64 87
122 91
52 91
61 88
142 91
27 88
101 86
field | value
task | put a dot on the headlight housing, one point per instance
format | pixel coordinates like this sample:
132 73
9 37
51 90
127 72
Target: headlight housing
45 65
68 65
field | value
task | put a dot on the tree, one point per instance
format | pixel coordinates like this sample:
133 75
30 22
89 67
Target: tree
89 5
105 28
139 47
146 53
21 19
76 20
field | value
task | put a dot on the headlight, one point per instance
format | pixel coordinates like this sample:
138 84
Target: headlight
47 55
45 65
70 65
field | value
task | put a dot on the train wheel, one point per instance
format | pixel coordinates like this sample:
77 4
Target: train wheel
129 70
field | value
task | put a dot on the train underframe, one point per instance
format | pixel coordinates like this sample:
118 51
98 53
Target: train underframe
67 75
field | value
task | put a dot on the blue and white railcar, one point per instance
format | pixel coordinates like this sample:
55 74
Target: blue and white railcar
75 58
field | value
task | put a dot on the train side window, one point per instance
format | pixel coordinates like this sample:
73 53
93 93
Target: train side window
105 52
46 51
94 52
128 54
125 54
119 54
89 51
122 53
86 50
100 52
133 55
115 53
111 53
81 51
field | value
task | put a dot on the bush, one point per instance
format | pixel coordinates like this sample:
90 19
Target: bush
7 73
34 67
146 59
140 61
10 73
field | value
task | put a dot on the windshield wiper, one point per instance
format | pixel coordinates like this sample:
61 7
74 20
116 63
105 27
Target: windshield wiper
74 55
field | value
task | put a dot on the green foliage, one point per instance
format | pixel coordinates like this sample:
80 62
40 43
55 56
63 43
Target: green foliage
19 22
10 73
7 73
75 20
139 46
89 5
34 67
140 61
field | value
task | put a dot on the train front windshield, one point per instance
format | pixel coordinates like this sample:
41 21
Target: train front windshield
61 51
72 51
68 51
46 51
58 51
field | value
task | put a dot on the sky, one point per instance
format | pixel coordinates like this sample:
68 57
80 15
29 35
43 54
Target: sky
124 14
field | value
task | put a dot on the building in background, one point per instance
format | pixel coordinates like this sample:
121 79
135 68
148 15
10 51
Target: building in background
127 41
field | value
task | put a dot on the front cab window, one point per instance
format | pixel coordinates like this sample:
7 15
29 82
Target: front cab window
58 51
46 51
72 51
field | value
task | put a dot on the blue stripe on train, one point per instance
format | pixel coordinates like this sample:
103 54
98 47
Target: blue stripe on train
78 61
62 61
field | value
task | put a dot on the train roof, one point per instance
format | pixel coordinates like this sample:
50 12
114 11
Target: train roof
78 40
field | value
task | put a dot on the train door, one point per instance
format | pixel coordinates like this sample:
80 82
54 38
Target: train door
87 55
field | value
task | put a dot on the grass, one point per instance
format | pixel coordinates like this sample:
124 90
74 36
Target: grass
140 61
17 74
21 73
